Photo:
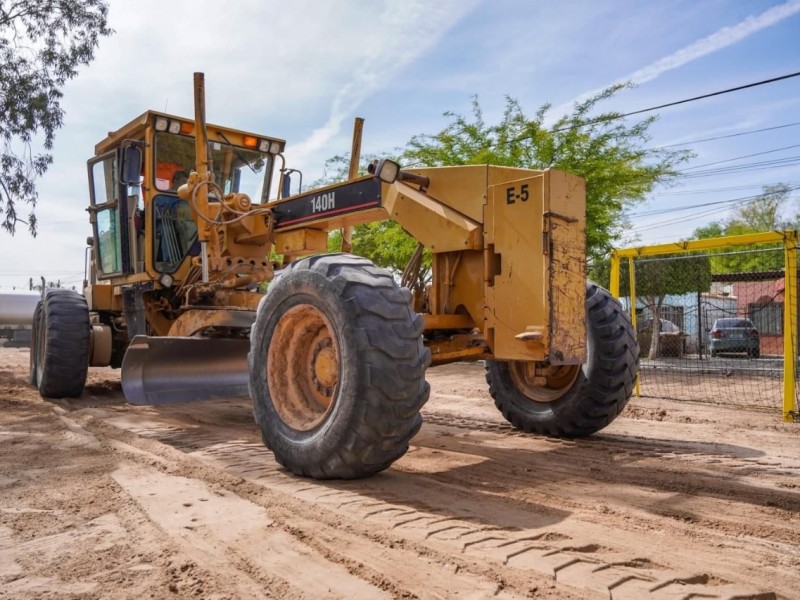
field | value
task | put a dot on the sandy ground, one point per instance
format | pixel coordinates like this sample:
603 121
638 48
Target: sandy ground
100 499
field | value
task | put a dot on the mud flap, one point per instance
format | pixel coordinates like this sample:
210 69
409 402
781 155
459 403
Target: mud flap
162 370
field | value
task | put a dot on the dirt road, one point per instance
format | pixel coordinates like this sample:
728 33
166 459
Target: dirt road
100 499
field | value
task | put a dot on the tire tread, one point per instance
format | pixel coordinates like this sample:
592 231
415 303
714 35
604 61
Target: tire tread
389 338
64 362
602 391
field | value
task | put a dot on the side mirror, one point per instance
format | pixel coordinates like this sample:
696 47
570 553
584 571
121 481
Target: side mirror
287 184
131 166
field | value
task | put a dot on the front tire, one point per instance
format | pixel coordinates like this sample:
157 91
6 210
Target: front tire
337 368
63 342
575 400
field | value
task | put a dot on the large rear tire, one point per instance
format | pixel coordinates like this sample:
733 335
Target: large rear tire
63 342
337 368
576 400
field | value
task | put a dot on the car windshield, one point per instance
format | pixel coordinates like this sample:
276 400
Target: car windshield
236 169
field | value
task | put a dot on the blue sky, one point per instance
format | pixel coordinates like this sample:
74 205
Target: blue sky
303 70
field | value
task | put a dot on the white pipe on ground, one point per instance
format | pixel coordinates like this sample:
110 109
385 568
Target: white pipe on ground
17 308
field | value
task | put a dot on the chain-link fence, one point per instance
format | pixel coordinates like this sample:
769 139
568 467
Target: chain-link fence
715 319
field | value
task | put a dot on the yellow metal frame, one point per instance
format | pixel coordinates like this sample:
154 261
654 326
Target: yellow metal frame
789 326
787 238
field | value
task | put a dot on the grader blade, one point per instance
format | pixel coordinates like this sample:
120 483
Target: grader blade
182 369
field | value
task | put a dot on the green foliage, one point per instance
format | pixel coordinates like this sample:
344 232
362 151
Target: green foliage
42 44
662 276
337 168
762 213
656 278
609 153
385 243
604 149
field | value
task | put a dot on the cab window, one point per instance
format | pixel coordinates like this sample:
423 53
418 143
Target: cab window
236 169
105 192
175 233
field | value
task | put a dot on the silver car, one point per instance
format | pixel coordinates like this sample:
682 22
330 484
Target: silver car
735 335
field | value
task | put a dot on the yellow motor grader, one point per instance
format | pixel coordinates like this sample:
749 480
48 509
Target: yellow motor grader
334 353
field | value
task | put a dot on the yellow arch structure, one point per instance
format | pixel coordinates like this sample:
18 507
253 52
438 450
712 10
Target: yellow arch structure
787 238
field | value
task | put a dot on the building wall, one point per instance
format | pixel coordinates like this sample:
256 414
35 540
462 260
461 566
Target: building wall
769 321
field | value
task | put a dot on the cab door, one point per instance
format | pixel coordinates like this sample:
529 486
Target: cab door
112 215
104 214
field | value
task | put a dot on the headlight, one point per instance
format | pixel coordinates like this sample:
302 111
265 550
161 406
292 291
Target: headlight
275 148
263 146
161 124
387 171
174 126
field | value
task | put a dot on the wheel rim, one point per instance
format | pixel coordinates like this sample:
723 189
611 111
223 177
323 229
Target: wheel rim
303 367
543 383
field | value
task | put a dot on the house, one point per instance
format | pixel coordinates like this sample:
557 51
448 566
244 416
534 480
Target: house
692 313
762 302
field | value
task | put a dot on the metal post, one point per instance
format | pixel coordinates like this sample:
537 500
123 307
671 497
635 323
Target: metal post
355 158
634 319
632 284
201 164
790 326
614 281
204 261
700 324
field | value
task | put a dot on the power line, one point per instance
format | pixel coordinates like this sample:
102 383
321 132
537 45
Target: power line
734 188
719 162
789 161
701 205
658 224
723 137
677 102
672 209
49 273
48 223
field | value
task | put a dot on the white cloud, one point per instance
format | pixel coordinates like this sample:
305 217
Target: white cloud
294 70
300 70
403 32
720 39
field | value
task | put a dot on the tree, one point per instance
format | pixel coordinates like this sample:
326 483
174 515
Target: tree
604 149
42 44
385 243
761 213
337 168
658 277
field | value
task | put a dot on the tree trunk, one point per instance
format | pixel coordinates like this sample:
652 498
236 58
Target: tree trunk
654 304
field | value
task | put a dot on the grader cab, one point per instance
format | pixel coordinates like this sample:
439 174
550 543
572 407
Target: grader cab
334 353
